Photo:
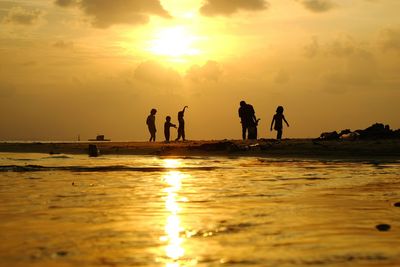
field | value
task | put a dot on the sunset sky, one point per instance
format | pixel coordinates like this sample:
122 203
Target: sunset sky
87 67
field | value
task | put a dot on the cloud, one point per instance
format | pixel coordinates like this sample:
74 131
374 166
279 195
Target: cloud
66 3
318 6
20 16
343 46
358 70
106 13
63 44
153 73
390 39
348 64
228 7
313 48
211 71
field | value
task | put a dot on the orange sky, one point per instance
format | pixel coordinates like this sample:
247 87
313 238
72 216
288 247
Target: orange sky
88 67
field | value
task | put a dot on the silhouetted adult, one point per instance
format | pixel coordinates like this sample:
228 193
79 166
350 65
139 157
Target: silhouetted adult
151 124
181 124
248 120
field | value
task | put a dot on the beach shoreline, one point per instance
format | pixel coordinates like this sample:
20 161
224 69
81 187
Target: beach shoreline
287 148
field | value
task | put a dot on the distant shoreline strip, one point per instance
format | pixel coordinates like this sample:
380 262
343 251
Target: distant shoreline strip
114 168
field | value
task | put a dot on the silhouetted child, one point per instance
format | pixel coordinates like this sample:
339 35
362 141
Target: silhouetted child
181 125
277 119
167 126
151 124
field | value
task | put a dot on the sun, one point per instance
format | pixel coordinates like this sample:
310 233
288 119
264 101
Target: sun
175 42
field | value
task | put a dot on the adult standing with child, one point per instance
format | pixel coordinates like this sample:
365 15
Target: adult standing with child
248 120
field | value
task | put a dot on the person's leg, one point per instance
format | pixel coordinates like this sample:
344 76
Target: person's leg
183 134
279 134
179 134
244 132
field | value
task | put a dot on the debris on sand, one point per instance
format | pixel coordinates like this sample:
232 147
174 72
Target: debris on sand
375 131
383 227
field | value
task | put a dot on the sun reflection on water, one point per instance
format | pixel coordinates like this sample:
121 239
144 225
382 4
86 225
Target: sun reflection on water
174 249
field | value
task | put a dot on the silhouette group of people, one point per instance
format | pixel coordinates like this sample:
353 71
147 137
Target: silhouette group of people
247 116
249 121
151 124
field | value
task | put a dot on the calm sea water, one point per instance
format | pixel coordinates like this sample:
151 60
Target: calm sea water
65 210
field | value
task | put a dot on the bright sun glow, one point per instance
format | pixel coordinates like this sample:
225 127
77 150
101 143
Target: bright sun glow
172 163
174 249
174 42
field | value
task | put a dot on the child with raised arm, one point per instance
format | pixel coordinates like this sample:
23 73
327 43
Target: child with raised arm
277 120
167 126
181 125
151 124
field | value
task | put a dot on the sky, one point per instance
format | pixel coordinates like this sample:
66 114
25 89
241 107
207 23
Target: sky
88 67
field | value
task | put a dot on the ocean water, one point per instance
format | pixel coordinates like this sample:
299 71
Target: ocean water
69 210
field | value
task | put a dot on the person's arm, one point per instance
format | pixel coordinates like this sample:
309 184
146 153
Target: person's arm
285 121
173 125
183 110
272 122
253 115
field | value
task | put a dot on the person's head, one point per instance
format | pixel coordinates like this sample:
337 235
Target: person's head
168 118
180 114
153 111
279 110
242 103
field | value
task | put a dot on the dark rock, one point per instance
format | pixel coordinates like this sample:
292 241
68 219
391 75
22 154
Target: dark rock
61 253
376 131
350 136
347 131
93 151
329 136
383 227
397 204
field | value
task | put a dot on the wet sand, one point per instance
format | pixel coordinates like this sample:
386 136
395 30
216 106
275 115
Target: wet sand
292 148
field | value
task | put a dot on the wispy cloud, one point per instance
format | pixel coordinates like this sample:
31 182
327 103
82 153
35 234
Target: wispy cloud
390 39
63 44
228 7
105 13
318 6
21 16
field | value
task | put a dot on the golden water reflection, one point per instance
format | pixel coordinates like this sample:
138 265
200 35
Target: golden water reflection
174 249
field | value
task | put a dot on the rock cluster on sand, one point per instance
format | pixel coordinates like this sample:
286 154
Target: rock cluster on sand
375 131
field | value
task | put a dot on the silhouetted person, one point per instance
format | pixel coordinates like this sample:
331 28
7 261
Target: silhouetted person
277 120
151 124
248 120
167 126
181 124
252 129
